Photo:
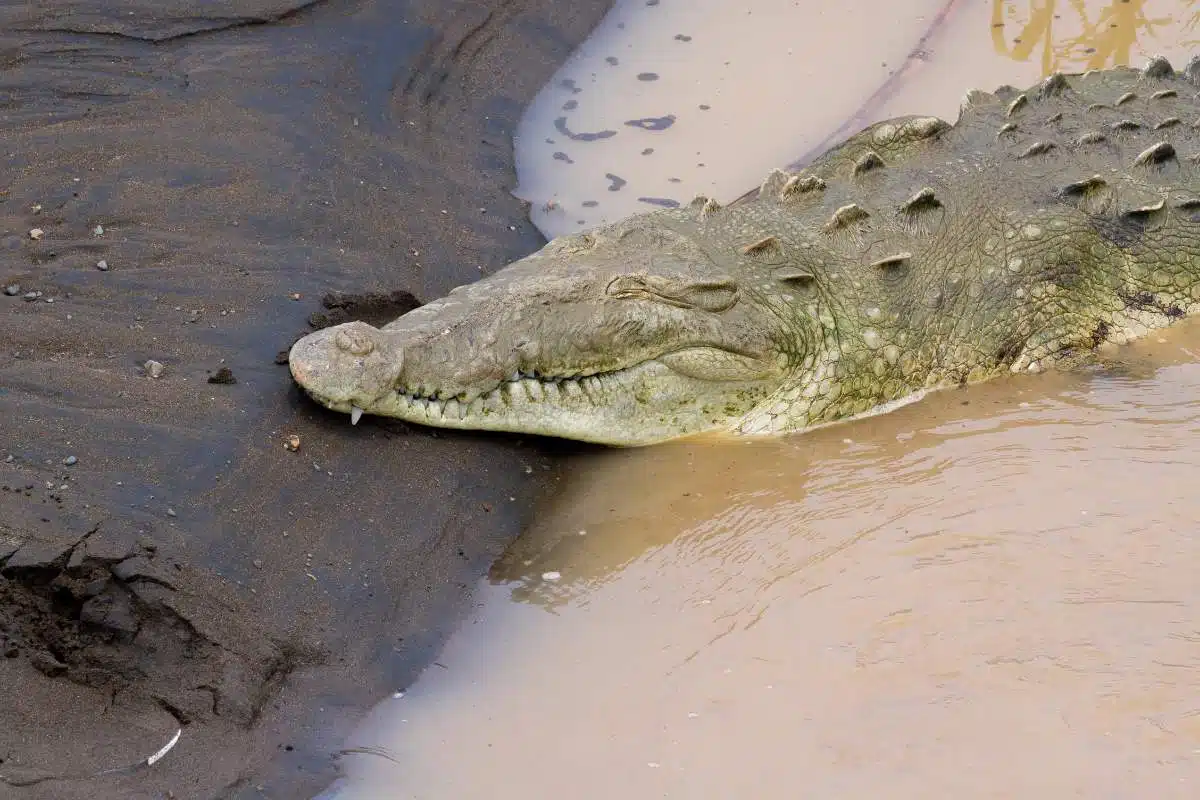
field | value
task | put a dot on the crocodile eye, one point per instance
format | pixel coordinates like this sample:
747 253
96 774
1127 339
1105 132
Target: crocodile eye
714 295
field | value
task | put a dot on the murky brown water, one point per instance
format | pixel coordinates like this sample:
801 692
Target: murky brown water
994 592
991 593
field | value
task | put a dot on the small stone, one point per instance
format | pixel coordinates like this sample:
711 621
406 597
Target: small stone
8 459
551 576
102 265
224 375
13 289
258 564
36 233
292 443
295 295
171 512
98 230
70 461
48 665
31 296
153 368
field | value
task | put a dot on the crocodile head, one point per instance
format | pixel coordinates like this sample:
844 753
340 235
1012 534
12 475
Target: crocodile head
628 335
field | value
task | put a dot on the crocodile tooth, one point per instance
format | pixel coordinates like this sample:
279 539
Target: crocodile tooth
1169 122
1128 97
1164 94
1126 125
1016 105
355 414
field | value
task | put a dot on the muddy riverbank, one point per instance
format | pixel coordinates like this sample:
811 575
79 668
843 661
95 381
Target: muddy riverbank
184 187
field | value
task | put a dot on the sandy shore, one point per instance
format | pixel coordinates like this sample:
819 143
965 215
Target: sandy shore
186 186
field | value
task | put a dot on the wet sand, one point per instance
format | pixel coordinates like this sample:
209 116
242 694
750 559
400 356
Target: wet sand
166 563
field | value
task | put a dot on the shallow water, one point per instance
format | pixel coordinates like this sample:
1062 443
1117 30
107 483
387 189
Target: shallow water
670 99
989 593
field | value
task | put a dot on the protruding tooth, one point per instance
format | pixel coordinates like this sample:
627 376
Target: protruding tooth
1158 67
1128 97
1007 127
1091 137
1169 122
1126 125
1164 94
355 415
1016 105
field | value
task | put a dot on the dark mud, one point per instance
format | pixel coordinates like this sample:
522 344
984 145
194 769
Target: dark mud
246 171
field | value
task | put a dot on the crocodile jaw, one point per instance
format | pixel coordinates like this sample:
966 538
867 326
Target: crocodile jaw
638 405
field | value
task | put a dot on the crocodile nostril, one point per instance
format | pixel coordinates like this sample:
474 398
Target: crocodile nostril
353 342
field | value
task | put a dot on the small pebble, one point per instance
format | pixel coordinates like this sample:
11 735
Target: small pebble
551 576
153 368
70 461
102 265
98 230
12 290
223 375
258 564
171 512
292 443
8 459
32 295
36 233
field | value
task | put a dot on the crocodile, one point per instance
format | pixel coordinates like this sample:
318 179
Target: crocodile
1042 227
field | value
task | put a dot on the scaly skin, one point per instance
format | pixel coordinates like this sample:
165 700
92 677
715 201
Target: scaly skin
1042 225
